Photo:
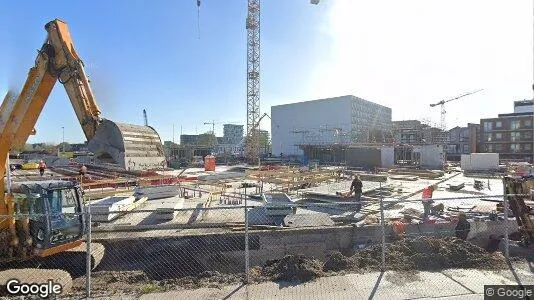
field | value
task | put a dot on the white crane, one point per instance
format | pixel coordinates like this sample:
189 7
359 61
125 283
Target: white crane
252 25
443 124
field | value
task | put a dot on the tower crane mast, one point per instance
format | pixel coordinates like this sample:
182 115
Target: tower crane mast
443 121
252 25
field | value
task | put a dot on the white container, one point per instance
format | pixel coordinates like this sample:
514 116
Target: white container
479 161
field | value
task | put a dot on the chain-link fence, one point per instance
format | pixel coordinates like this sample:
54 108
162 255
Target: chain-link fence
236 245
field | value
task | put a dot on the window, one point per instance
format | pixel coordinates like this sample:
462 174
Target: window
498 124
487 137
514 148
514 136
487 126
498 136
498 147
528 123
527 136
514 124
489 148
466 148
527 147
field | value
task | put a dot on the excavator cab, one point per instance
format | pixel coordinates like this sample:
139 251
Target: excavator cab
49 216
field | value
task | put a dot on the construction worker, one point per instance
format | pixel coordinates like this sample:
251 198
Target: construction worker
355 188
83 170
42 167
462 227
427 201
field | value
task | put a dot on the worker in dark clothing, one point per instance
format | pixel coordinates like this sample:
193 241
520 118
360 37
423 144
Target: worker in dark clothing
462 227
355 188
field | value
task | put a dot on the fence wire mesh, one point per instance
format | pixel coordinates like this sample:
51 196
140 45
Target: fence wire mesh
235 245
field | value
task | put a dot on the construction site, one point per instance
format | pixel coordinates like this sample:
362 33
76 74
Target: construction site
341 189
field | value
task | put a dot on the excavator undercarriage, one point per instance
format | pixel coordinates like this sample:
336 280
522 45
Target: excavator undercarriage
521 190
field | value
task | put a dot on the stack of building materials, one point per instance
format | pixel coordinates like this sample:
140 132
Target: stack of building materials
277 204
109 208
221 176
158 192
167 208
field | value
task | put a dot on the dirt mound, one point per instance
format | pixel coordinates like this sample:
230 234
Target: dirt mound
293 268
205 279
338 262
428 253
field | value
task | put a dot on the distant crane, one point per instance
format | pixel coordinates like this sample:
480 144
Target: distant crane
145 117
212 123
443 121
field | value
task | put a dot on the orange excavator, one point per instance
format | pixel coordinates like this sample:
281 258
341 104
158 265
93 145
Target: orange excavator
40 219
521 189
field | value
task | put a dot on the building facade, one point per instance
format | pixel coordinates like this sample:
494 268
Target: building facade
414 132
340 120
188 139
233 134
510 135
462 140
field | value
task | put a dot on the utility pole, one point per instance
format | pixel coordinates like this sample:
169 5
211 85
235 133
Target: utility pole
63 143
145 117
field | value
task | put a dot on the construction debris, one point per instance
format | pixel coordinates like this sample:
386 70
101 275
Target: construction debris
428 254
293 268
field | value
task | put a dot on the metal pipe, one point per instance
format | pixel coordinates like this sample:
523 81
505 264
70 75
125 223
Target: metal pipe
247 260
383 228
506 241
88 250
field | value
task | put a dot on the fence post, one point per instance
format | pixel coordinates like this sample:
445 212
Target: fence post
506 241
383 228
88 252
246 243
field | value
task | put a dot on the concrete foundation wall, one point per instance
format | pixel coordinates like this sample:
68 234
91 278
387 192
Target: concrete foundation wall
388 157
364 157
191 255
431 156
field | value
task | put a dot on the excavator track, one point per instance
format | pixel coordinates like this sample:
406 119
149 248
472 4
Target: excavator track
73 261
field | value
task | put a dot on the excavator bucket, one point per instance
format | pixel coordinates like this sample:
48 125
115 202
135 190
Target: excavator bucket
132 147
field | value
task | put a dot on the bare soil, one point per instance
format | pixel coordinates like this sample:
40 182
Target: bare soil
406 256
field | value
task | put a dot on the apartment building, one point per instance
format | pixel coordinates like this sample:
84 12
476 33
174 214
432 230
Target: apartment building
510 135
462 140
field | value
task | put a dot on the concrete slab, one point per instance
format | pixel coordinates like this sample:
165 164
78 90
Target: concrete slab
166 210
474 280
456 284
403 285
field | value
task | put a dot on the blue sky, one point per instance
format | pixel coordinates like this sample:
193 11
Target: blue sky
402 54
147 54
